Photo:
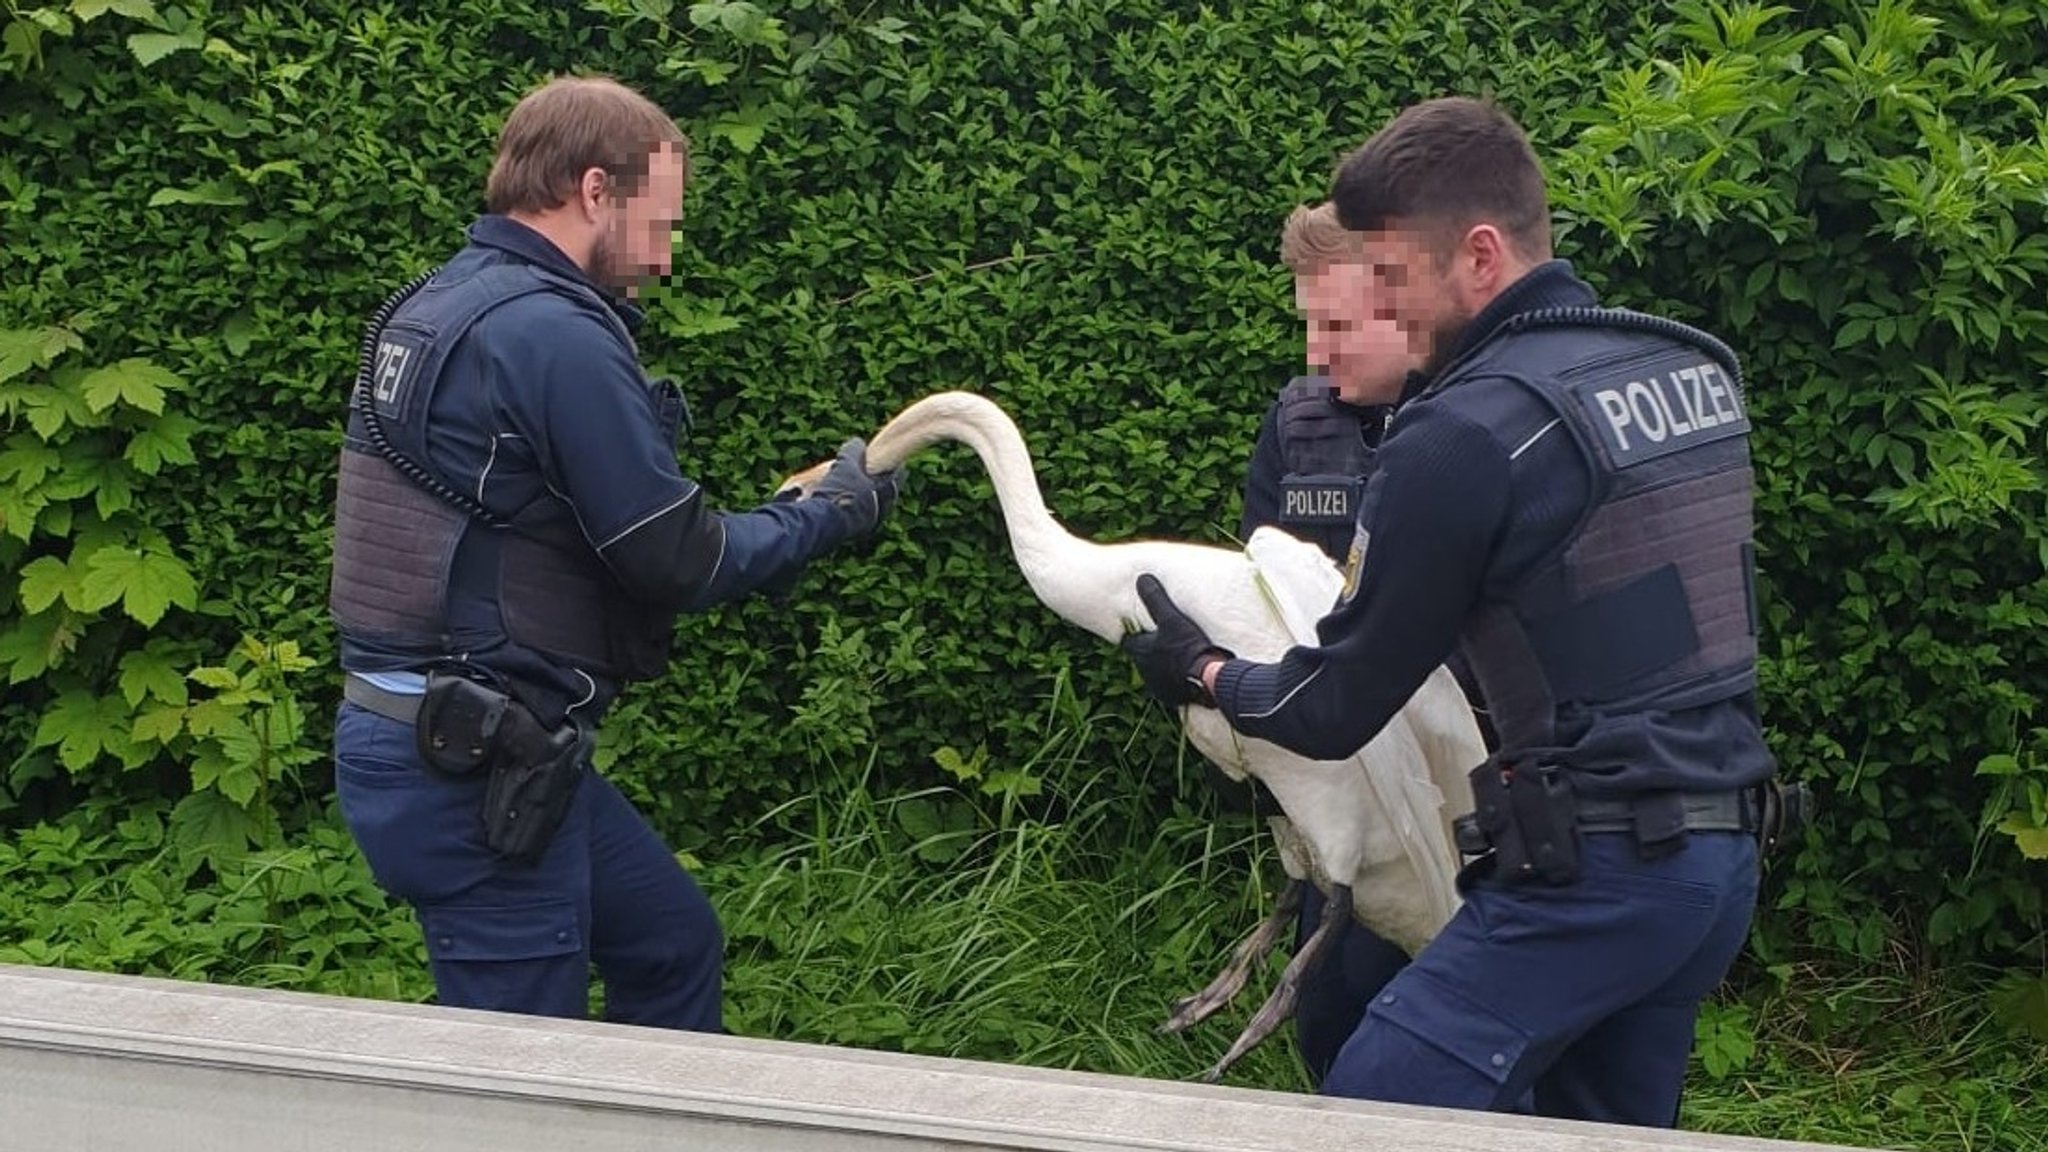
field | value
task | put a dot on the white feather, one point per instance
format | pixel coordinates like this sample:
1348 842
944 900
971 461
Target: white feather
1377 820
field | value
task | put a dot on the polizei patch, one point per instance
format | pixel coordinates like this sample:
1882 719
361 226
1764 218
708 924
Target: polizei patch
1659 410
394 372
1318 500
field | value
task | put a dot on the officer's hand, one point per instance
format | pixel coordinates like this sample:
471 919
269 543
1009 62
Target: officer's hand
1170 659
863 497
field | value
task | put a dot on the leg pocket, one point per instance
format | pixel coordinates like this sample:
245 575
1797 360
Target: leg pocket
1426 1042
528 958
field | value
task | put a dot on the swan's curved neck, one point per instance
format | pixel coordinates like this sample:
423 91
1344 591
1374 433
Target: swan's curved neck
1035 536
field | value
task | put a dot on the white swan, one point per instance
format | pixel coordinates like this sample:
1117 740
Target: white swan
1371 831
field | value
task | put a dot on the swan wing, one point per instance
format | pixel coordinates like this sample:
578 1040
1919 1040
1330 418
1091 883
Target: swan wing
1404 765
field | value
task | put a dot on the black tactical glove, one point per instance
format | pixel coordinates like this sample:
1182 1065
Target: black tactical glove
863 497
1170 659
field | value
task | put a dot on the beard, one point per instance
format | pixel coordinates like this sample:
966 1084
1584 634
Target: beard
607 270
1444 336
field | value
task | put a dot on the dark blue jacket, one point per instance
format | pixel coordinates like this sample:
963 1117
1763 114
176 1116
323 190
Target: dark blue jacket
542 395
1471 491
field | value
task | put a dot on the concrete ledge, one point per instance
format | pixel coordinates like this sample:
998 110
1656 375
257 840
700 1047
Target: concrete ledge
111 1063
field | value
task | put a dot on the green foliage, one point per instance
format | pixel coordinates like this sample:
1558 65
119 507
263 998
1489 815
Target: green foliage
1072 209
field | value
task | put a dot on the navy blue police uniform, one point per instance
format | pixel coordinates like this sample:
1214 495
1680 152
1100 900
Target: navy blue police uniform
1569 503
1307 475
510 508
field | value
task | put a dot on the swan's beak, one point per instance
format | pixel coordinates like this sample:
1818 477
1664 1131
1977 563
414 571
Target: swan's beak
802 483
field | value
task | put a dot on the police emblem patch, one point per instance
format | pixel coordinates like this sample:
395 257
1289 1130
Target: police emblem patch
1354 562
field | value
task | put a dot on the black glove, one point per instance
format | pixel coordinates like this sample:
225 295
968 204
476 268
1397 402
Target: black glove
863 497
1170 659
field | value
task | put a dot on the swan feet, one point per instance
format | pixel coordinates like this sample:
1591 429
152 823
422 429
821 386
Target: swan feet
1280 1005
1194 1009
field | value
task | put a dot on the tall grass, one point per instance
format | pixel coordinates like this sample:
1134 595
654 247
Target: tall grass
1035 916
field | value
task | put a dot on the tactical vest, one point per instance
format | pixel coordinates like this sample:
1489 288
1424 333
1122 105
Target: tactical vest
1324 451
1649 602
399 523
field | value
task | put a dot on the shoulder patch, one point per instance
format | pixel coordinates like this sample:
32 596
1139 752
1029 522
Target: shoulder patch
395 372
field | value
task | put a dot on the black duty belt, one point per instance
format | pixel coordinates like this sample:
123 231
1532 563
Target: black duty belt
1734 811
401 706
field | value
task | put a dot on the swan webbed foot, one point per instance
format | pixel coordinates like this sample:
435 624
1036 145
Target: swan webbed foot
1280 1004
1192 1010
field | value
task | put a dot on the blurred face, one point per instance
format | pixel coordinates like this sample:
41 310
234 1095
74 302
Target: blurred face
1352 337
636 238
1420 289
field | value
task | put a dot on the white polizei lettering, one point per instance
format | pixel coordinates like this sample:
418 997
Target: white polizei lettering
1643 402
1717 392
391 360
1615 409
1691 393
1665 389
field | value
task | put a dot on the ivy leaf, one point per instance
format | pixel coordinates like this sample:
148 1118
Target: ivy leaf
164 441
149 672
18 511
44 581
208 827
35 645
27 460
50 409
114 493
146 582
744 127
134 382
82 726
22 349
159 725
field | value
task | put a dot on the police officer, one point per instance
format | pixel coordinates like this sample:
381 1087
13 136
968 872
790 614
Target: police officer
1570 500
513 542
1308 470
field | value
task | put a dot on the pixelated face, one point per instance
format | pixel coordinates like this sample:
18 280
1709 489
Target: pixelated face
1415 282
637 243
1352 337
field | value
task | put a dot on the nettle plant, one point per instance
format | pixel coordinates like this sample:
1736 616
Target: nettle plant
102 632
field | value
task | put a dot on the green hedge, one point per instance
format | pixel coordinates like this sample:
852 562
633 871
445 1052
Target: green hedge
1073 208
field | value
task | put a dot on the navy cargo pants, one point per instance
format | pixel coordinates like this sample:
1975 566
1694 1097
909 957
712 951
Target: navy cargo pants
522 938
1583 996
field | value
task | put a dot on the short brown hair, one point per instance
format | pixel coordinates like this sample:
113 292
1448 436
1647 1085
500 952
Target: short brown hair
1313 238
568 126
1448 164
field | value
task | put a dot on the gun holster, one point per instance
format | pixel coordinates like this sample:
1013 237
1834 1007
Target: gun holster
1784 811
1525 816
465 727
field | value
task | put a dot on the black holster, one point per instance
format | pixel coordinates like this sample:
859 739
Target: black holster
1526 818
465 727
1784 811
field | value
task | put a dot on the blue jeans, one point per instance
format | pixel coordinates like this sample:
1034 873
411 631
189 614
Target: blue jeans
1583 995
523 937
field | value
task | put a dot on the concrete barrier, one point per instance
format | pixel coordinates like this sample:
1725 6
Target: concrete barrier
97 1063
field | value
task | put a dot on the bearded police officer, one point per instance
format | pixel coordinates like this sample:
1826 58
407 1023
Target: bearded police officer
1569 499
513 542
